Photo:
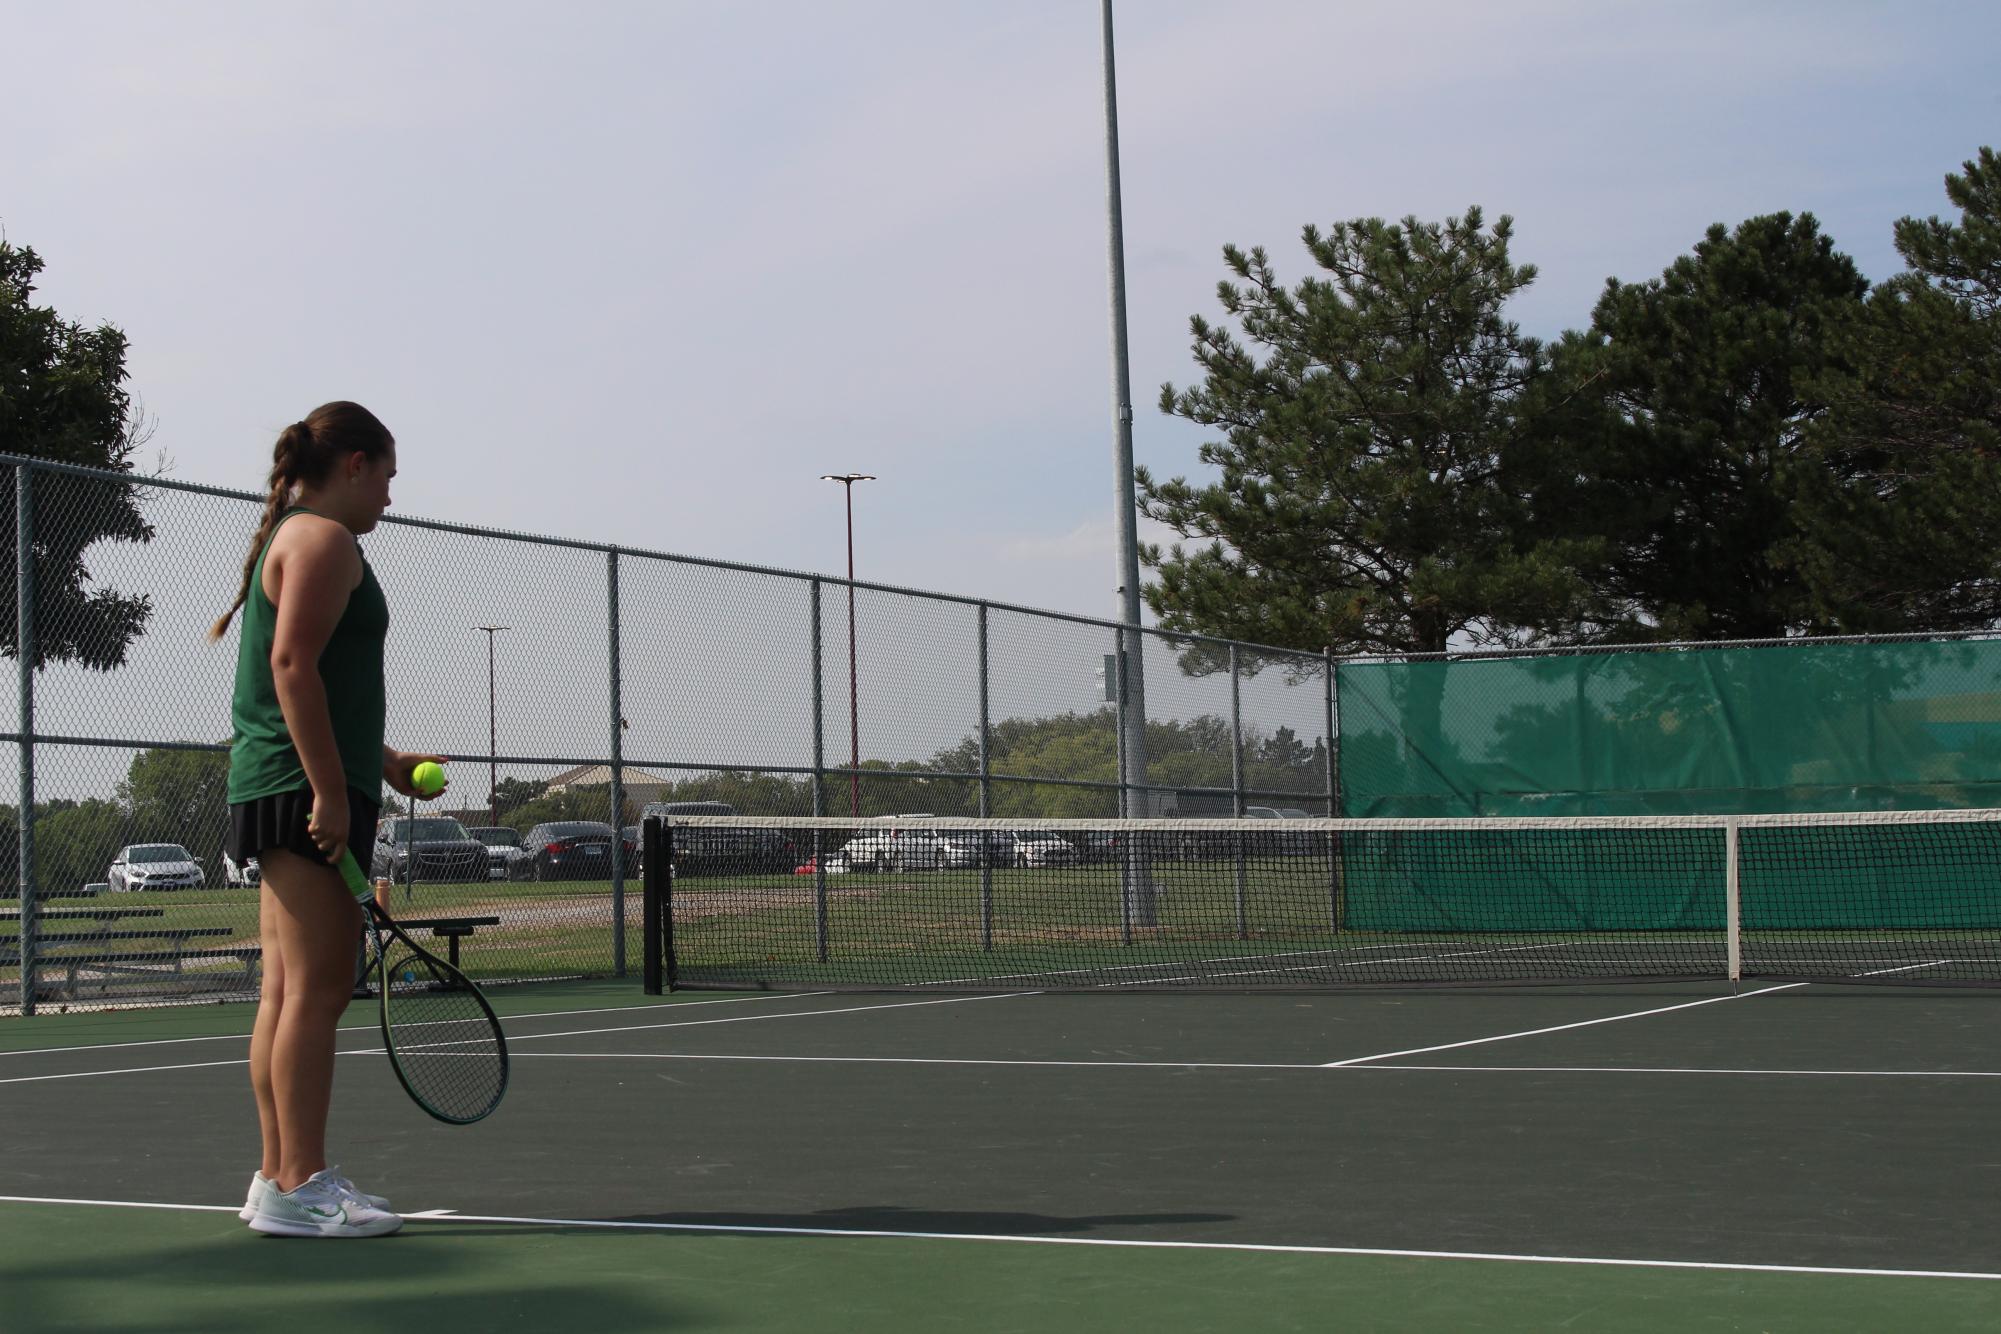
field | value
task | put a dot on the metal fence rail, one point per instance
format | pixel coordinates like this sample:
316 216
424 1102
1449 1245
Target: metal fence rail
621 676
614 677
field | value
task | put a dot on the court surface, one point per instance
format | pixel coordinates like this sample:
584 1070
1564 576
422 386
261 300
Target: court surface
1803 1157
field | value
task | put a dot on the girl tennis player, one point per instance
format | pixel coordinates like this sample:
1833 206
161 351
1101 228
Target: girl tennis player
306 768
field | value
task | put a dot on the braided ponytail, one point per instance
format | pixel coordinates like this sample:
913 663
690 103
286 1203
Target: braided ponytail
306 452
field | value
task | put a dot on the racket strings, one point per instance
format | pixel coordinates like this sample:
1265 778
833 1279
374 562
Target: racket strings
447 1048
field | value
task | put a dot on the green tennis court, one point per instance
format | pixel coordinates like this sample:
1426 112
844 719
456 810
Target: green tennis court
1804 1156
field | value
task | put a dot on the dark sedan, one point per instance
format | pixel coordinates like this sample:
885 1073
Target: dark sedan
707 850
572 850
429 850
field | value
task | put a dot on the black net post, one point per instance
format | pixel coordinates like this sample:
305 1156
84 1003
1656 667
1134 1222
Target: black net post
652 879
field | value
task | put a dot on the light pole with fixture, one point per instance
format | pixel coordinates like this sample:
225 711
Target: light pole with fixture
848 480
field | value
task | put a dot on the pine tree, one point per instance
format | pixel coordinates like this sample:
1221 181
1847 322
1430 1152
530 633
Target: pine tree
1363 502
1901 510
1672 462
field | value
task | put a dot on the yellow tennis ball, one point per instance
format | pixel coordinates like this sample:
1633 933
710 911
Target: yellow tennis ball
428 779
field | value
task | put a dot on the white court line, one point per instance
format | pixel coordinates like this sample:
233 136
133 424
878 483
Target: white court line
1352 963
1935 963
362 1028
513 1038
1252 1065
752 1018
1131 1243
1689 1070
1558 1028
1183 963
129 1070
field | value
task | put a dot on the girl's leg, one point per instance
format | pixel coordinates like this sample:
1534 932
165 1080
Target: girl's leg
270 1006
317 925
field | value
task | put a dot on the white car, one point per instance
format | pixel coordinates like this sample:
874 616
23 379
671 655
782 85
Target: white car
961 849
1043 849
153 866
247 876
504 851
894 850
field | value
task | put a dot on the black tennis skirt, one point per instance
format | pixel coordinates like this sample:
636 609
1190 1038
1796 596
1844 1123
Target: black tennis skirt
279 821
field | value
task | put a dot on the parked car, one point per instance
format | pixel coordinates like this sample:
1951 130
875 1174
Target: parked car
153 866
1098 847
504 848
961 849
247 876
431 849
1005 848
570 850
670 809
1042 848
704 851
894 850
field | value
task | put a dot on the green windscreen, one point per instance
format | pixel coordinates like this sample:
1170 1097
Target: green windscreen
1727 731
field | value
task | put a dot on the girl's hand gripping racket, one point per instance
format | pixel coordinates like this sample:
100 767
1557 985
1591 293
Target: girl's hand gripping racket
443 1039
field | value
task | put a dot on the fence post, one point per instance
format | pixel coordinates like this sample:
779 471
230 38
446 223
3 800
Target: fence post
24 655
1137 902
1334 867
819 790
617 774
1333 735
986 806
1237 784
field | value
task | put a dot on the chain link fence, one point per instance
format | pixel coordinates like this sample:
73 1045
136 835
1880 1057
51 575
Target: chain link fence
572 684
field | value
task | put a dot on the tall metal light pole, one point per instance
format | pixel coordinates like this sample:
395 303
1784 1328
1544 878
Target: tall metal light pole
848 480
1133 792
492 730
1122 447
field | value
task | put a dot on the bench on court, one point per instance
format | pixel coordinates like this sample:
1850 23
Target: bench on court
140 962
453 929
86 914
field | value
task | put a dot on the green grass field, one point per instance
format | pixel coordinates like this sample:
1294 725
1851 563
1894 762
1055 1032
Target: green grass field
922 927
560 929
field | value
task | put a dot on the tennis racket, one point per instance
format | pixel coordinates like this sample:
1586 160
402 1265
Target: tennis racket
444 1042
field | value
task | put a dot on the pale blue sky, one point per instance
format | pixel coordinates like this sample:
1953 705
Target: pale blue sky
640 273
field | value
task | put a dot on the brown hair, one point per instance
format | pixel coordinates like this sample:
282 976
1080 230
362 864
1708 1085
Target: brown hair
307 452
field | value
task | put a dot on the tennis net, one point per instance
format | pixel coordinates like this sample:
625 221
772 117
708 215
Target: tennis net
1895 897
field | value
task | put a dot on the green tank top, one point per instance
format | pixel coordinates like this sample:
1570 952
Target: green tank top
262 761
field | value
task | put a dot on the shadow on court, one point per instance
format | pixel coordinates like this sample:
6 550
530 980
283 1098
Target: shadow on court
235 1282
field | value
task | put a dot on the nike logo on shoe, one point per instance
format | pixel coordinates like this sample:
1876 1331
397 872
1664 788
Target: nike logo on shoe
341 1214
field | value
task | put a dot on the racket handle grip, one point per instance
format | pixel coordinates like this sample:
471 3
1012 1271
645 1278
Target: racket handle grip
357 883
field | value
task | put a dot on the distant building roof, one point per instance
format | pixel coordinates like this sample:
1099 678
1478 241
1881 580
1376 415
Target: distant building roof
599 775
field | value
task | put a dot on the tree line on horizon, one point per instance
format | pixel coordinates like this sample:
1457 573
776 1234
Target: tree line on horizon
1755 444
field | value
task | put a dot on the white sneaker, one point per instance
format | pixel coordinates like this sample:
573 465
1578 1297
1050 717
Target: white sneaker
259 1184
321 1207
